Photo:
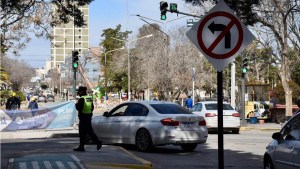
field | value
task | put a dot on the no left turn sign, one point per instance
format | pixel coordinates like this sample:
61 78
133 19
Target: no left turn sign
220 36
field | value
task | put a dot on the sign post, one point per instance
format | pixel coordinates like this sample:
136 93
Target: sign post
221 37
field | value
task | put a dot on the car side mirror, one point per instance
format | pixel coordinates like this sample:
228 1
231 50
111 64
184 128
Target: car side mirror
276 136
106 114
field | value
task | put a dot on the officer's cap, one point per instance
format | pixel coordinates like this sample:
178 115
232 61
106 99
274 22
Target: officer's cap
82 88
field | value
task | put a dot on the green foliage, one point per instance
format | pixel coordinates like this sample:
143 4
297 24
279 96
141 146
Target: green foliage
278 92
110 44
243 8
120 81
21 95
5 94
44 86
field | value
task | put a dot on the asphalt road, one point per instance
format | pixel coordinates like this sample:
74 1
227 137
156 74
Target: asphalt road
241 151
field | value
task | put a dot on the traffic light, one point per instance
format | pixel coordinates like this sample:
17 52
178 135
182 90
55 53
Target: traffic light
75 59
163 10
244 67
173 7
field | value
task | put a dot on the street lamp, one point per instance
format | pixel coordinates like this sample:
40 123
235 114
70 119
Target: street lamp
105 74
128 52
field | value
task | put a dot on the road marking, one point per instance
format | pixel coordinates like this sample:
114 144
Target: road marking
48 165
23 165
46 162
72 165
35 165
60 165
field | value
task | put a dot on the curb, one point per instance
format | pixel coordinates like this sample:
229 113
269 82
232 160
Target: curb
254 128
145 164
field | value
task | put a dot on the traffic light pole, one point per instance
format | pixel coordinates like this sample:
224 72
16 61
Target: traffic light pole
243 103
178 12
74 87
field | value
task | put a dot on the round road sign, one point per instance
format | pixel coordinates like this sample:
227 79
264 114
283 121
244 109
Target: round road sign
233 21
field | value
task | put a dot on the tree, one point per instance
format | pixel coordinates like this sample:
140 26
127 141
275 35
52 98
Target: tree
243 8
276 26
279 29
18 17
19 72
109 44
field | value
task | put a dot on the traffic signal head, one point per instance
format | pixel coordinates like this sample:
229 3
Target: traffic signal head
75 59
163 10
244 67
173 7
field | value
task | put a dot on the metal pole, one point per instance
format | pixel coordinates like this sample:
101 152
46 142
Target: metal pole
193 78
105 74
148 90
74 85
128 51
243 103
232 90
193 92
220 120
60 86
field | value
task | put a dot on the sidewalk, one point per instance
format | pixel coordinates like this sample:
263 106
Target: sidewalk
265 126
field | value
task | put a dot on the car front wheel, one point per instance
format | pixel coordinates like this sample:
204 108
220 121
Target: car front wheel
143 140
189 147
268 164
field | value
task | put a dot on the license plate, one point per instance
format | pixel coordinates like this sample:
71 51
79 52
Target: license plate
188 124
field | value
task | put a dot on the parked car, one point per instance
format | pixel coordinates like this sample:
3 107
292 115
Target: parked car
50 98
209 110
284 149
150 123
42 98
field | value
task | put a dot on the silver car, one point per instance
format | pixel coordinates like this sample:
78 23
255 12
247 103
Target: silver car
284 150
150 123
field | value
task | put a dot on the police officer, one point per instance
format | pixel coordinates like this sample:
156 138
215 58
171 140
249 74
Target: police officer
13 104
85 107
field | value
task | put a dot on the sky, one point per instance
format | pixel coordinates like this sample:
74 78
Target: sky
105 14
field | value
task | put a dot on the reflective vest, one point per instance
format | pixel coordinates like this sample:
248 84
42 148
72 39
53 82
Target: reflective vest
87 106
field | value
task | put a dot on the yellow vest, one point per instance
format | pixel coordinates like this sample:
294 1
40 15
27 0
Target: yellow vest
87 106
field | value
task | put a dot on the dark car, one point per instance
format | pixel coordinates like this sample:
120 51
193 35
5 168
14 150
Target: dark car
50 98
283 151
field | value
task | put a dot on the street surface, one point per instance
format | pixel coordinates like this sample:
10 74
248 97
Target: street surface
244 150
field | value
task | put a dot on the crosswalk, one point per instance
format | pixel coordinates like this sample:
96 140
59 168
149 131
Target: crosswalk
46 162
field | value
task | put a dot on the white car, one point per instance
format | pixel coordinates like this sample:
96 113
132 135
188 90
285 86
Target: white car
150 123
284 150
209 110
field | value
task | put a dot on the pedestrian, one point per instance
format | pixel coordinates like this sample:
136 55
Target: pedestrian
13 103
189 103
28 97
85 108
33 106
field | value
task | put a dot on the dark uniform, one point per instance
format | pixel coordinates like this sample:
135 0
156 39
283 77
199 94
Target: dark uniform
85 107
13 104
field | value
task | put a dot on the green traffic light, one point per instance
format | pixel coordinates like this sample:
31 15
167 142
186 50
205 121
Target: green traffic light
244 70
173 7
75 65
163 17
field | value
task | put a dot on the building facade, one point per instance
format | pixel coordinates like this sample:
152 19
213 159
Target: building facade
67 38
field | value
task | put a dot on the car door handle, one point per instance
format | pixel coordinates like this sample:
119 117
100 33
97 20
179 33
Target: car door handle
138 120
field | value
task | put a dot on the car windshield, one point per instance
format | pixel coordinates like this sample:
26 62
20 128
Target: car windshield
214 106
170 109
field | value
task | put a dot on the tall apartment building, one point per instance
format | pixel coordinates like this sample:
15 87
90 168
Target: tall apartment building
63 42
